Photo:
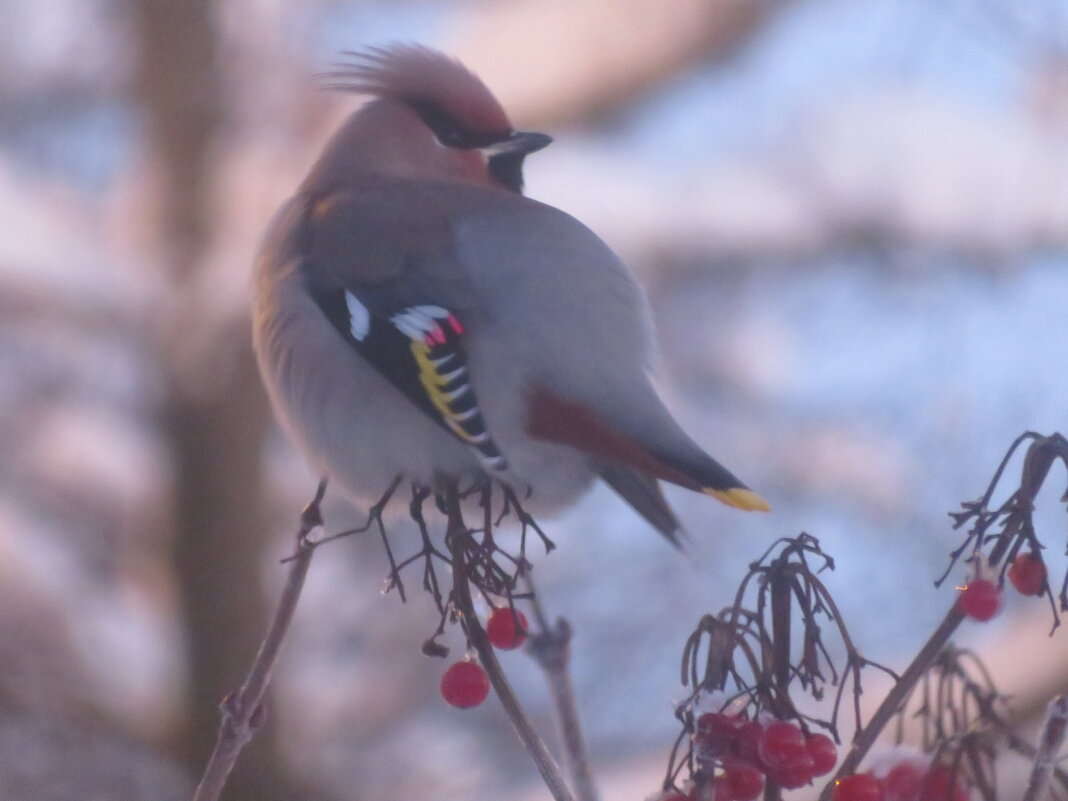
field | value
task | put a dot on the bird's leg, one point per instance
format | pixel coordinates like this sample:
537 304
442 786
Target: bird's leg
526 521
428 552
488 539
374 514
374 518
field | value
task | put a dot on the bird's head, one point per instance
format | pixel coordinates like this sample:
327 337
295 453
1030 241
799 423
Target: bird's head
429 118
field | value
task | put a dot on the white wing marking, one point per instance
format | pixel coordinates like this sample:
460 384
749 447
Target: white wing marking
359 317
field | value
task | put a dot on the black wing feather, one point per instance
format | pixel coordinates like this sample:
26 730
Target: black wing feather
419 350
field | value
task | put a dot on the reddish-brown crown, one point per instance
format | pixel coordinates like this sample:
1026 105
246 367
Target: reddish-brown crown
417 74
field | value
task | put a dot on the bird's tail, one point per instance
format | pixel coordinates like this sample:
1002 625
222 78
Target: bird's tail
659 449
642 492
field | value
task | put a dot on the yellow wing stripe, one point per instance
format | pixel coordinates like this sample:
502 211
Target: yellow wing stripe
432 383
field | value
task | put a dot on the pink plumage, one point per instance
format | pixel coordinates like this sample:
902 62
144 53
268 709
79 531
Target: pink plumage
414 73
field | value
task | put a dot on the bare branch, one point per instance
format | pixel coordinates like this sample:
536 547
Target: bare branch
1053 735
459 539
896 697
243 711
551 649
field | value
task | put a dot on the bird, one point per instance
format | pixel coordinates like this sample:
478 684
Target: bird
417 316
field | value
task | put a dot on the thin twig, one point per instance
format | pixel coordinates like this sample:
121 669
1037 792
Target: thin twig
550 647
457 538
904 686
896 697
243 710
1053 735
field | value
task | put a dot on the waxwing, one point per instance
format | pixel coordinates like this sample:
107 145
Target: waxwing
417 316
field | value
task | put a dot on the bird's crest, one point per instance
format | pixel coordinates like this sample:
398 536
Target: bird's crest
419 75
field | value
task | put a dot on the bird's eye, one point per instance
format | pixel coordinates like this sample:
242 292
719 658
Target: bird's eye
450 137
442 124
450 132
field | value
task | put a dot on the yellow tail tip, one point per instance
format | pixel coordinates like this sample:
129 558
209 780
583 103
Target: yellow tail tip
739 498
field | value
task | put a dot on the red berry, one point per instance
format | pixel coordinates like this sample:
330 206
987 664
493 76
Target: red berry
796 774
781 745
747 743
824 753
1028 574
464 685
980 599
858 787
742 782
501 628
717 733
940 784
904 781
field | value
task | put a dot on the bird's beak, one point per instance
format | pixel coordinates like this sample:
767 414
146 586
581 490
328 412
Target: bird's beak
520 143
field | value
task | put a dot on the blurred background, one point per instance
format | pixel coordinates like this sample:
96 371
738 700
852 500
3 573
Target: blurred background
852 222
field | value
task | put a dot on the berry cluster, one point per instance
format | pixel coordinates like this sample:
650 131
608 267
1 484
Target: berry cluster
465 684
748 751
908 780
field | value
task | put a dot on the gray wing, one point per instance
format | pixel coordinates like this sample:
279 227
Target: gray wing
381 275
